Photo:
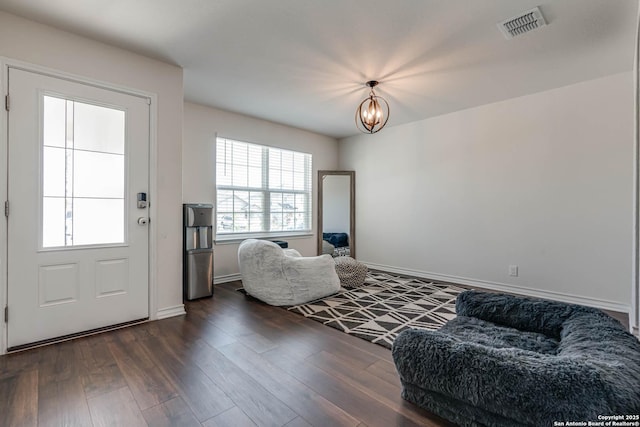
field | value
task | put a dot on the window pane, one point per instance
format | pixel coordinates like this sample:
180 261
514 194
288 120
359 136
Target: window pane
288 202
287 161
225 201
53 171
223 174
255 177
256 200
223 162
255 222
298 181
276 222
55 124
289 212
276 202
225 222
98 175
275 179
302 218
98 221
239 154
240 201
301 202
287 180
240 176
240 222
221 151
255 156
98 128
299 162
53 222
275 159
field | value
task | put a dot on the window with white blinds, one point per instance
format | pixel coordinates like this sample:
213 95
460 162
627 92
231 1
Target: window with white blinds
261 190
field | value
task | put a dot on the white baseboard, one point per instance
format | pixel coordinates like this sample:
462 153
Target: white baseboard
176 310
226 278
521 290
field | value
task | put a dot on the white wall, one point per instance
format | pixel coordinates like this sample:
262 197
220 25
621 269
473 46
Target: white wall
336 196
542 181
201 124
38 44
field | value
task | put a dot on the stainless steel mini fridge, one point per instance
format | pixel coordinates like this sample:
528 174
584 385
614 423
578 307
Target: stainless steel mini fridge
198 251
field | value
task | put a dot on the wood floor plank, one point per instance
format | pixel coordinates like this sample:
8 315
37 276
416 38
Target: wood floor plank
116 408
196 323
233 324
233 417
175 412
102 373
19 399
385 370
299 422
346 370
61 397
313 407
258 343
147 383
299 345
252 398
205 399
11 364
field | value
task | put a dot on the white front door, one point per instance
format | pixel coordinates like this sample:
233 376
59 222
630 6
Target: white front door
77 251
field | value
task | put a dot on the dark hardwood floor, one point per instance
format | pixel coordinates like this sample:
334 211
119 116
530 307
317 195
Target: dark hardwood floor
231 361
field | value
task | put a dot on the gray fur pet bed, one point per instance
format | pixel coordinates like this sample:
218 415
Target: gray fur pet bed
507 361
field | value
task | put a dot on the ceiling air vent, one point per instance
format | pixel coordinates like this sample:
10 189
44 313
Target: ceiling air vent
523 23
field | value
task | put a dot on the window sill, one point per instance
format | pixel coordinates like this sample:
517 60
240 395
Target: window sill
238 238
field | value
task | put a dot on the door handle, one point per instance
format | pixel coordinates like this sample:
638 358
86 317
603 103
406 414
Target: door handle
143 220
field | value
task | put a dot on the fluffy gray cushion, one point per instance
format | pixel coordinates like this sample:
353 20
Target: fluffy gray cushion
508 361
283 277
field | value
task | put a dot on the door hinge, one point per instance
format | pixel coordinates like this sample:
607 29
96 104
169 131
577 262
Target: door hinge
6 208
6 102
6 314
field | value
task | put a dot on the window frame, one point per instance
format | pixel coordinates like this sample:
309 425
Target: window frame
233 237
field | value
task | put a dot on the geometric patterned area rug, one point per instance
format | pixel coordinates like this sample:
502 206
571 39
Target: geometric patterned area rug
385 306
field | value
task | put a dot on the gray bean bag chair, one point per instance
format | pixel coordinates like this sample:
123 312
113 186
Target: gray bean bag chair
284 277
509 361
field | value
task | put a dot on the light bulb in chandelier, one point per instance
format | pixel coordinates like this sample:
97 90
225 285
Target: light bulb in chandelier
372 113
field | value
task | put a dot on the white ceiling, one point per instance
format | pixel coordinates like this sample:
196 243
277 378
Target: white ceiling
304 62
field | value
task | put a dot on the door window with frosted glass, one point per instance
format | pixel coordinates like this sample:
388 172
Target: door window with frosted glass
83 174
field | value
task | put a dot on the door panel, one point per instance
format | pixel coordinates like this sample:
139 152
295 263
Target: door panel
77 257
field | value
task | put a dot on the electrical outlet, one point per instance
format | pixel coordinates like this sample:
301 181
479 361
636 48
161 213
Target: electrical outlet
513 270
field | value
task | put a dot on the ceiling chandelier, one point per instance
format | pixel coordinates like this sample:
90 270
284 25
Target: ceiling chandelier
372 113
